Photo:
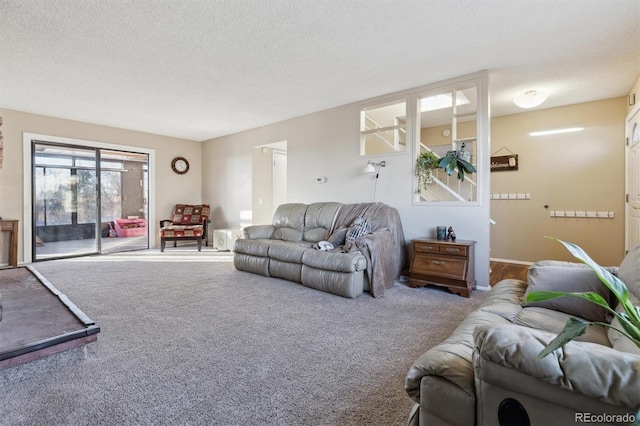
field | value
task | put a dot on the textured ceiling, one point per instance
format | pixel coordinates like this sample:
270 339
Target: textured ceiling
199 69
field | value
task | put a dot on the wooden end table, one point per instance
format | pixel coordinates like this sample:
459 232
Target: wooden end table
11 225
447 263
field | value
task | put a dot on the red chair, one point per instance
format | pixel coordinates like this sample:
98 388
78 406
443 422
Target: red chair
188 222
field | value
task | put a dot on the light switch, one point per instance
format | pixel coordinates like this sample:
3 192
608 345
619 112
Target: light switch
592 214
581 213
512 196
570 213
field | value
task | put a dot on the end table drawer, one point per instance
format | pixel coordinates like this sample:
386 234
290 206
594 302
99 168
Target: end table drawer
454 250
440 266
425 247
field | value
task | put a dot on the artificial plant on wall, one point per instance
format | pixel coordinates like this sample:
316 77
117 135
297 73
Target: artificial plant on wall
425 164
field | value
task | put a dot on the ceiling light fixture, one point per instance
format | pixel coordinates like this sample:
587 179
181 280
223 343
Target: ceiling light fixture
557 131
530 99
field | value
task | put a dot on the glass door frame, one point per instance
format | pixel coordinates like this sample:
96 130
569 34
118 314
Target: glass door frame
28 138
72 167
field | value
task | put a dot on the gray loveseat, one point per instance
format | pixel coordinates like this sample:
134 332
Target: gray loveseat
486 373
285 249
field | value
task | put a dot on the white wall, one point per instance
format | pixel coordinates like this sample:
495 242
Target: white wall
170 187
325 144
570 171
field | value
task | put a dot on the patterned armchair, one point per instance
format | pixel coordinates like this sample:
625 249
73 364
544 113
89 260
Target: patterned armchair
188 222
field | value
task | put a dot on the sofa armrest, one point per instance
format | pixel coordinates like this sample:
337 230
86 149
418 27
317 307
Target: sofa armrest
164 222
589 369
385 258
256 232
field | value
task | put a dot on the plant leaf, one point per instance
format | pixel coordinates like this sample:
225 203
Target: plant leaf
443 162
467 166
627 324
573 328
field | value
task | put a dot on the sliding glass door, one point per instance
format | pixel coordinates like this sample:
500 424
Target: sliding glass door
87 200
124 207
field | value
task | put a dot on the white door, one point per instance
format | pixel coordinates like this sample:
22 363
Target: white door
279 178
632 184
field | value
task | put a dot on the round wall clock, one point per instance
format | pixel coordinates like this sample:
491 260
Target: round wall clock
180 165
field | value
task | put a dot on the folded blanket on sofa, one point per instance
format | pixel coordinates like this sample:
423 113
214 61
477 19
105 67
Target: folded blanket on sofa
381 272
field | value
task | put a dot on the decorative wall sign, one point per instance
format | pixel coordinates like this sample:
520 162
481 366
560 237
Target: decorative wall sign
504 162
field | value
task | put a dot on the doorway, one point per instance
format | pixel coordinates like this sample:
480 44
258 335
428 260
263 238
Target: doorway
279 183
632 177
87 200
269 181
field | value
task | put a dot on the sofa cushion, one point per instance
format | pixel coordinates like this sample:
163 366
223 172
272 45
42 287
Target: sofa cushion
505 299
288 221
629 271
618 341
287 251
554 321
340 262
571 277
173 231
252 247
187 214
318 221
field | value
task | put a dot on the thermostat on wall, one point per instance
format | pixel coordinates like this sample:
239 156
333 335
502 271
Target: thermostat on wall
321 179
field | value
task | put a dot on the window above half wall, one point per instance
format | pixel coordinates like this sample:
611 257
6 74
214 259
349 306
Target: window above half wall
383 127
443 117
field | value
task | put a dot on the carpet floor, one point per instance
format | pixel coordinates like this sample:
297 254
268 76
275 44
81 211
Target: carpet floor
188 340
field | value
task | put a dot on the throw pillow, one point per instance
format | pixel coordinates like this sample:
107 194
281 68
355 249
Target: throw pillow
358 228
338 236
570 277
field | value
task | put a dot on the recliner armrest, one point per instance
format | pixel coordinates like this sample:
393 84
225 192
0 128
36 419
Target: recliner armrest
256 232
590 369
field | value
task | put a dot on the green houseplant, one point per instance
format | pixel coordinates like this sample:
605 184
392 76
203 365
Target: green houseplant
457 160
629 318
425 164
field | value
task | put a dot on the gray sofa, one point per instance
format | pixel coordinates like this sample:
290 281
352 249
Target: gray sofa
285 249
486 372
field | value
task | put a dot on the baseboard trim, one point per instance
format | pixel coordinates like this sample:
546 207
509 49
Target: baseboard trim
517 262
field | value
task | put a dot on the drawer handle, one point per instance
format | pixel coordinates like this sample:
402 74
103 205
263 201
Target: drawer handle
453 249
437 262
426 247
